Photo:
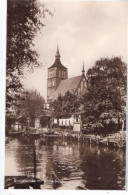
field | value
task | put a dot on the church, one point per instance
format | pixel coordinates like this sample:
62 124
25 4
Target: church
58 82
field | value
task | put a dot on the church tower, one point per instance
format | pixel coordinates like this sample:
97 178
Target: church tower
56 73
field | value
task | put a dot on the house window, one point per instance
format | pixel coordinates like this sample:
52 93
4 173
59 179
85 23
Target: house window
77 119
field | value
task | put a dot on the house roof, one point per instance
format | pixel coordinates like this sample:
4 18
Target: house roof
65 85
79 112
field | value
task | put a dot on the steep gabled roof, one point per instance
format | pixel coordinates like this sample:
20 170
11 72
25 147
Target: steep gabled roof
70 84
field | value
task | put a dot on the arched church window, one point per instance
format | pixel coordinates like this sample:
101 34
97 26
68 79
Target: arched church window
59 74
51 82
82 85
53 73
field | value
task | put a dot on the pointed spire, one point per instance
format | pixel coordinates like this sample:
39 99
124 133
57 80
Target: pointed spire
83 71
57 53
57 48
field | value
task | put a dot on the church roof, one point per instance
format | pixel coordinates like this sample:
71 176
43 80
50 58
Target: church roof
57 64
65 85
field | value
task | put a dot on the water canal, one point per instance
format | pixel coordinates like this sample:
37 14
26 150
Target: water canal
75 164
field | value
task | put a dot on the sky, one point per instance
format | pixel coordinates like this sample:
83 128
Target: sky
85 32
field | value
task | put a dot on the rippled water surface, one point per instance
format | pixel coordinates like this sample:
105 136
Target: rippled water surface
75 164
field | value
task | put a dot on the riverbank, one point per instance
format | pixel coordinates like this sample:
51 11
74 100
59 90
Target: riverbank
116 140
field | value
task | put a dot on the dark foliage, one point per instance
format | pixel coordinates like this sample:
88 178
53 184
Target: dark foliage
105 100
65 106
31 105
24 20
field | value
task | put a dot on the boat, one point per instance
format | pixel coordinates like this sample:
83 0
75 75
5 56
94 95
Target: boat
56 181
22 182
25 182
82 187
50 135
33 132
103 141
11 133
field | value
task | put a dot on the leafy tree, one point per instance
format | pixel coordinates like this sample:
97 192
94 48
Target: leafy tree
65 106
31 105
105 99
27 106
24 20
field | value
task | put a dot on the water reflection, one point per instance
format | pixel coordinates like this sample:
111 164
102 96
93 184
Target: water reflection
74 163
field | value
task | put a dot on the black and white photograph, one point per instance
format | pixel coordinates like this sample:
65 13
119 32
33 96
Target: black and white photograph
66 81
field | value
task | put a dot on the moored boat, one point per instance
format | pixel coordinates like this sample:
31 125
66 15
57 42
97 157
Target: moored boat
22 182
50 135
